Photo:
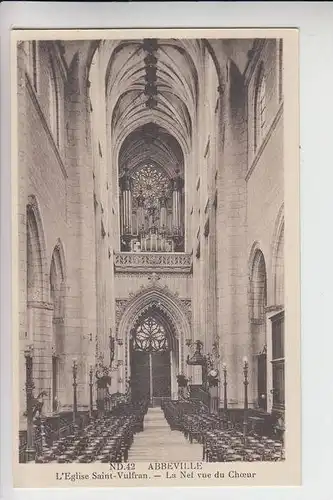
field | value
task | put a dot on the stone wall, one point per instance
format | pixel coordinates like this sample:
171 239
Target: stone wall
43 184
56 173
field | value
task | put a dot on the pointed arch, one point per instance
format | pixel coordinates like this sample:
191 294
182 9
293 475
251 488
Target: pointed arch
164 303
161 298
57 278
212 54
59 254
37 288
277 292
257 327
258 284
57 281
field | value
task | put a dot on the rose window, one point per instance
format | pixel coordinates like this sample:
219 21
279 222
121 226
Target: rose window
151 184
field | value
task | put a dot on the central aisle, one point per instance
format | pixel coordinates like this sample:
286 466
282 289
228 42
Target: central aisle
158 443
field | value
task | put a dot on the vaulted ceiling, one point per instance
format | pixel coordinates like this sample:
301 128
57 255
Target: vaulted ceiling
154 81
152 92
151 144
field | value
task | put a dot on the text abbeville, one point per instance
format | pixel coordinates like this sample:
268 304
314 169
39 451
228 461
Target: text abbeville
175 466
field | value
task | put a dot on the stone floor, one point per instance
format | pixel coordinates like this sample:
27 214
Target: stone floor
158 443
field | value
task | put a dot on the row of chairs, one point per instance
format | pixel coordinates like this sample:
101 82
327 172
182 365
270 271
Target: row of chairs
105 439
222 440
230 445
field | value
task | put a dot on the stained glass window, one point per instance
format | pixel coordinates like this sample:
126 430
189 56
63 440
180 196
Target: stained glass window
150 337
151 183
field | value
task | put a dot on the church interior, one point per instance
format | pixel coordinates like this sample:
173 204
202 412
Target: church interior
151 250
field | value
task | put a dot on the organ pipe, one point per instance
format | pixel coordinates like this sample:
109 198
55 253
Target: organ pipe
163 213
177 186
151 231
140 213
126 188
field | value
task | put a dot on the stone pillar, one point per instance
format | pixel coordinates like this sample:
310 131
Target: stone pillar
41 335
173 373
81 252
232 275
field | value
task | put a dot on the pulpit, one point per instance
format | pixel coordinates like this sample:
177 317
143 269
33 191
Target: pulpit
199 373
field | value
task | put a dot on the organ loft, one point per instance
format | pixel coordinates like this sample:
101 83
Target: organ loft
151 210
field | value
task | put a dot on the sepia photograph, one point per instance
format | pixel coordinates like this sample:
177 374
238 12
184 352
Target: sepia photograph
151 257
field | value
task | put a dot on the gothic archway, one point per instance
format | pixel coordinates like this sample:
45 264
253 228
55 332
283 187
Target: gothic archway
57 289
258 303
37 286
165 310
277 288
153 356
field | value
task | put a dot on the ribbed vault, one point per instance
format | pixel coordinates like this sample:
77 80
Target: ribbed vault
175 78
151 144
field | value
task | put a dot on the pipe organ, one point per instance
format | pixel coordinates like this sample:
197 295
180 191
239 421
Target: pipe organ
151 210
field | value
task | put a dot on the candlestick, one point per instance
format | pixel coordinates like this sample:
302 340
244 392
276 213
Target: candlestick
74 390
29 385
225 397
91 372
246 405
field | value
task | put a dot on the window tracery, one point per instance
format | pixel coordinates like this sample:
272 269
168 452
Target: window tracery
150 336
150 184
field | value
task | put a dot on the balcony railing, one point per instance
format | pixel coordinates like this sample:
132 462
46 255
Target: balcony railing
153 262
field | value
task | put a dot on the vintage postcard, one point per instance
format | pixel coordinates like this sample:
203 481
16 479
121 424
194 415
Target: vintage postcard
156 332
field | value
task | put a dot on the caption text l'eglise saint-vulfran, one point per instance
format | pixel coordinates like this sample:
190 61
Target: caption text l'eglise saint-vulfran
127 471
186 470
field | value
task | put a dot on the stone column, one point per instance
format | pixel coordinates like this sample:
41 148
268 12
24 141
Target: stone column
211 302
81 251
232 279
173 373
22 56
41 335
